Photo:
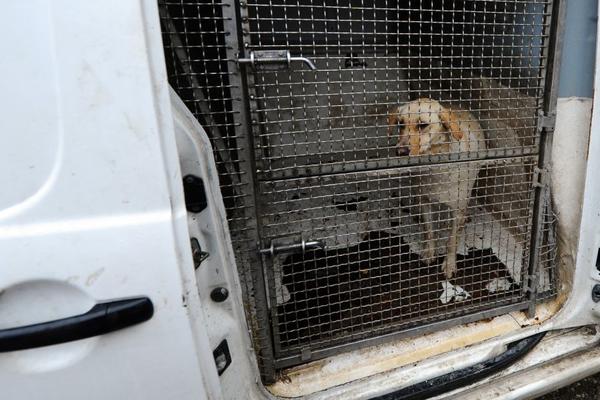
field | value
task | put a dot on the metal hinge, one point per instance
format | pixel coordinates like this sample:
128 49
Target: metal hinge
537 176
305 354
273 60
546 122
288 248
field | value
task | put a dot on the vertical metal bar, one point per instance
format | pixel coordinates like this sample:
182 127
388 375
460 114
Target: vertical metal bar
232 13
556 33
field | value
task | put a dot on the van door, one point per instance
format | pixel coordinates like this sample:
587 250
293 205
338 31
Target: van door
97 290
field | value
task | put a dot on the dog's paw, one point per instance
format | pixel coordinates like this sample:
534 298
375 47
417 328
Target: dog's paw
449 268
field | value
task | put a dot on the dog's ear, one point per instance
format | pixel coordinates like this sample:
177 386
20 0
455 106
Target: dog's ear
393 120
451 123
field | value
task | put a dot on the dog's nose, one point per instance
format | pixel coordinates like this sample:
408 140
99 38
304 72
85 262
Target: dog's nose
402 150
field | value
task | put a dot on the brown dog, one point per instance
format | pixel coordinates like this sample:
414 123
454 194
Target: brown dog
426 127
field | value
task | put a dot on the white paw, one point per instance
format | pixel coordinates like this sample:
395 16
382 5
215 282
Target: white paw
452 292
449 267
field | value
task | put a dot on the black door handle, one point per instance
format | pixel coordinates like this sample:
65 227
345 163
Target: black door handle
102 318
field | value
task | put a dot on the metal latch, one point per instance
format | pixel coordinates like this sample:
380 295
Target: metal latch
273 60
288 248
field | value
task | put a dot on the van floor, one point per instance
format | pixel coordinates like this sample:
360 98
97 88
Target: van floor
379 285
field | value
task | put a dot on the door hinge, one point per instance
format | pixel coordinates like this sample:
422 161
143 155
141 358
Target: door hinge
305 354
546 122
537 177
273 60
303 246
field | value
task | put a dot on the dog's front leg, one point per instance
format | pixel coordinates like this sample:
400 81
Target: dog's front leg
428 252
458 222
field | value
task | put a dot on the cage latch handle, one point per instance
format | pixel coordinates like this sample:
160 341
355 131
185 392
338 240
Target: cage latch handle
273 59
303 246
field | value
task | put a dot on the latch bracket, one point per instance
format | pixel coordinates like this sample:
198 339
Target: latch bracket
546 122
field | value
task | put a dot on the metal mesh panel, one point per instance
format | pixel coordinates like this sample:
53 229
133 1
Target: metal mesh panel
372 275
380 160
480 56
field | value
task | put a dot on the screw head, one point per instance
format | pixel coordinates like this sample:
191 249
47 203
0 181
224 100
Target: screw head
596 293
219 294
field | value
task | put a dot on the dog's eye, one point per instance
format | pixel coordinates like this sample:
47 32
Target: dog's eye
422 125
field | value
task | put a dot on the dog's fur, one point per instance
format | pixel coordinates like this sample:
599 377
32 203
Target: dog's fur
425 127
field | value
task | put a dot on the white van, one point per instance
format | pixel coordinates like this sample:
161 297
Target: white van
316 199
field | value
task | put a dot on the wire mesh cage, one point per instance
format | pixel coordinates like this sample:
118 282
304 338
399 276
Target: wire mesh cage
381 161
384 240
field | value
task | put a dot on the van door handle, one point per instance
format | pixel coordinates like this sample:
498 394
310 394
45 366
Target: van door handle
103 318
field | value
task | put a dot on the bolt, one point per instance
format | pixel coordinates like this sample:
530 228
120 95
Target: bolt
219 294
596 293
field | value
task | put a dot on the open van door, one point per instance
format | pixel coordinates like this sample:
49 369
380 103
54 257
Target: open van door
98 298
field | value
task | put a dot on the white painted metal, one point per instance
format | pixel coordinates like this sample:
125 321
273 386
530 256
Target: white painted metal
549 350
569 157
222 320
579 306
537 374
91 204
92 209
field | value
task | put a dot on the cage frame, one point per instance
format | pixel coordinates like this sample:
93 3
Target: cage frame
258 291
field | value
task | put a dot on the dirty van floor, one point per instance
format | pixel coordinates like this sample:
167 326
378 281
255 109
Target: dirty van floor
585 389
378 284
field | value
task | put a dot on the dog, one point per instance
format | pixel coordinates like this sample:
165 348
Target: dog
425 127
